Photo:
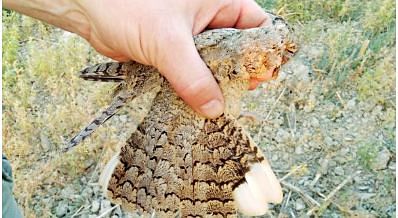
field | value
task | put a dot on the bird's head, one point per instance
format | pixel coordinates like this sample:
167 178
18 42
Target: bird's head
247 55
265 50
241 59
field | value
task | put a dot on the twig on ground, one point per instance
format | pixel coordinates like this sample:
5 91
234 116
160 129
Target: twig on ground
93 184
274 104
327 199
292 214
341 185
281 171
291 119
343 209
317 177
108 211
320 194
306 197
283 210
78 211
292 172
340 98
287 199
321 170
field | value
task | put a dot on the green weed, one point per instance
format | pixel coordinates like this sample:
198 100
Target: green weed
378 82
367 154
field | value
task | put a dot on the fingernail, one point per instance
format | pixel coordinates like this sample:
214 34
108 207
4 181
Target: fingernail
212 108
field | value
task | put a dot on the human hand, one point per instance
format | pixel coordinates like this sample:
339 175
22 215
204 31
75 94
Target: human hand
159 33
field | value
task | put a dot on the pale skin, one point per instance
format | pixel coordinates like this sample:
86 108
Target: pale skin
154 32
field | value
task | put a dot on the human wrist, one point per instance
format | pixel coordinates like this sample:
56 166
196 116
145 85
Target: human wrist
66 14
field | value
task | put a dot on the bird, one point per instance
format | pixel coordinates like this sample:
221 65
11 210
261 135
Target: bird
178 163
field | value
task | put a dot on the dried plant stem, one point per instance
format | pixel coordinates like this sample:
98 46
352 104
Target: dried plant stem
301 192
327 199
107 211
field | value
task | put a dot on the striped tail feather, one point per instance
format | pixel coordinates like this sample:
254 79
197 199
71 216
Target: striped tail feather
135 79
106 72
118 102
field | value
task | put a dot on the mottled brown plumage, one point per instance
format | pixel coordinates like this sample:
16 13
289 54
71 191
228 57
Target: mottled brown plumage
178 163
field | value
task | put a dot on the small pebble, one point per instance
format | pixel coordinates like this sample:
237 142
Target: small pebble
83 180
123 118
370 189
87 192
332 163
299 150
299 204
328 141
105 205
274 157
61 210
341 159
45 142
96 189
95 206
392 165
363 188
339 171
351 104
314 122
67 192
364 196
382 159
281 135
323 168
282 75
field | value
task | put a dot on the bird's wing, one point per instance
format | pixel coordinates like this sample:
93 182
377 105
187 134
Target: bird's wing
174 169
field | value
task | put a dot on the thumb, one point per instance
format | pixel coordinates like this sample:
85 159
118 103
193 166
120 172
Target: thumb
182 66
